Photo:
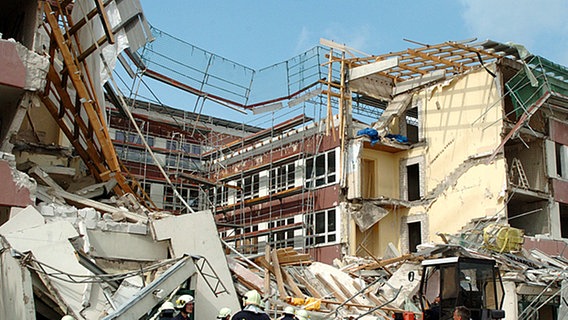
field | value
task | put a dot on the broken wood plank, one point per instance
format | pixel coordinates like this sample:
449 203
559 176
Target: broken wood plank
376 260
291 283
279 281
246 277
267 271
340 297
313 292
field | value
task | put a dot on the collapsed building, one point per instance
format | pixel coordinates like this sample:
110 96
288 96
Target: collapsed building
363 156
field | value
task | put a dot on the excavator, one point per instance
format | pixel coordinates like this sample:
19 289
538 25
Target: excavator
461 281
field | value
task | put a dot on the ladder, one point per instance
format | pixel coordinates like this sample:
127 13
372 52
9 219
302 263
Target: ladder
518 172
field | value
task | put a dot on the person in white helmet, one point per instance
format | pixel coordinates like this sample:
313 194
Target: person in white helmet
167 311
288 313
302 315
252 309
67 317
185 306
224 314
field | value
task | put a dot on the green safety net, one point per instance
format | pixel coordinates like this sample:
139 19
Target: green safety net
538 77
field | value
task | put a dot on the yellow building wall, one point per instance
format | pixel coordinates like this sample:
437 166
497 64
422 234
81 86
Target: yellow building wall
377 238
460 121
386 173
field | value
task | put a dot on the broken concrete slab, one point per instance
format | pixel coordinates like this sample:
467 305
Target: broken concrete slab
16 294
25 219
205 242
52 250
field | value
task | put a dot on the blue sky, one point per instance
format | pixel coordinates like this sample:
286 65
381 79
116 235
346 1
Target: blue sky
259 33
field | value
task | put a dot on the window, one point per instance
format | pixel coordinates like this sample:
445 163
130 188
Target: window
220 196
321 227
282 178
250 186
412 179
414 235
173 203
282 238
320 170
249 243
133 138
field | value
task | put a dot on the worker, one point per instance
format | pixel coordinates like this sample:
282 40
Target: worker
252 309
67 317
185 306
433 312
302 314
167 311
224 314
288 313
462 313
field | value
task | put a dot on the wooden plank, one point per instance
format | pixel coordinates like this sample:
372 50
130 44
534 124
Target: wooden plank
344 290
279 281
340 297
291 283
248 278
100 130
376 260
313 292
294 258
104 21
267 288
371 296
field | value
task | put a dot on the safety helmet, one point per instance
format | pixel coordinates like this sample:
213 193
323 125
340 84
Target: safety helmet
302 314
223 313
252 297
167 306
289 310
67 317
183 300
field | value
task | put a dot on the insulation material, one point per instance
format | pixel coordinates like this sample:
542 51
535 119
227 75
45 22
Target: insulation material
353 169
367 214
36 68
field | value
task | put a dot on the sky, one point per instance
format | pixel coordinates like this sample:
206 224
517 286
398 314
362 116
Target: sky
260 33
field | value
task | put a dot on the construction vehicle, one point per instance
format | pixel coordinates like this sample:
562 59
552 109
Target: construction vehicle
461 281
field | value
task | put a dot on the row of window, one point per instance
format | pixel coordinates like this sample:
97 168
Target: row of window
319 171
319 228
175 145
171 160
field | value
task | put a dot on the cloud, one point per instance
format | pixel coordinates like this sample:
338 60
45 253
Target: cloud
538 25
355 36
304 40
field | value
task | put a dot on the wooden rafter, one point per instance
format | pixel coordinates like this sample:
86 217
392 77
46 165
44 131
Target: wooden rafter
81 119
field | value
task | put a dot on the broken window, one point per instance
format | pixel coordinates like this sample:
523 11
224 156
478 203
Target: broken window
563 208
320 170
411 178
321 227
18 21
410 125
413 181
561 160
414 235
